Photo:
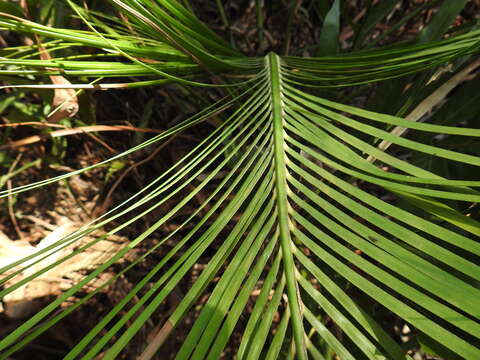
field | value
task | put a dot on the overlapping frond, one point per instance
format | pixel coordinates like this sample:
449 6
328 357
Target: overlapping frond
290 193
171 43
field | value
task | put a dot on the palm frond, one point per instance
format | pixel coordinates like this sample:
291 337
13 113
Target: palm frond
294 218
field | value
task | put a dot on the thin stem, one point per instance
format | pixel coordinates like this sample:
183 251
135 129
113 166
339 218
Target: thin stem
223 16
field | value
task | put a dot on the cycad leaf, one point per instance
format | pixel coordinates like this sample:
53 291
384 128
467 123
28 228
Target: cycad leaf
293 224
317 211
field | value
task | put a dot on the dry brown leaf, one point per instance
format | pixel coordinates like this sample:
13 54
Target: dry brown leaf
65 101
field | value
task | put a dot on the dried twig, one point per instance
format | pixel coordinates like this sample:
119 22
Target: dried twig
74 131
34 123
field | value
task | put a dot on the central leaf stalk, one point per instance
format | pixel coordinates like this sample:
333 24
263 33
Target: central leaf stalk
273 63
